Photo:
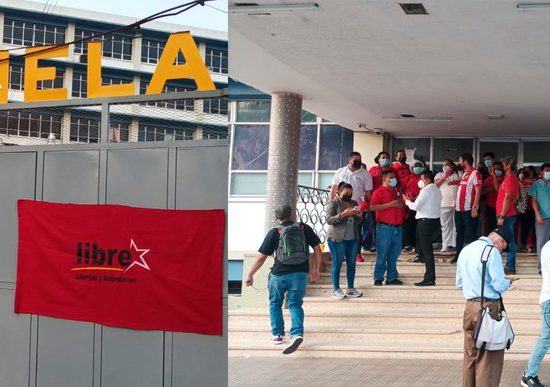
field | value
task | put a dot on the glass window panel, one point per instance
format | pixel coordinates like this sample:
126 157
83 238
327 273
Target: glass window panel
308 146
415 148
308 117
305 178
248 183
325 180
250 147
451 148
500 149
253 111
536 152
336 144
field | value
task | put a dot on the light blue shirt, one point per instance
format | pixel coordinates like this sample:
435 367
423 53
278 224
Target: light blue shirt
540 190
468 271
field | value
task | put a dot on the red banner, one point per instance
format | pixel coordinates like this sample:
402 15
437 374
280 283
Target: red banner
122 266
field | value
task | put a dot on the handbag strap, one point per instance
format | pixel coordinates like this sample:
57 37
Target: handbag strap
484 258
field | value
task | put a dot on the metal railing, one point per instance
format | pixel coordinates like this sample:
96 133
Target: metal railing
310 209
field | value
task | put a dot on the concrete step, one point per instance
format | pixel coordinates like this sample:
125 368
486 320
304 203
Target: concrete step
519 291
363 280
244 320
411 304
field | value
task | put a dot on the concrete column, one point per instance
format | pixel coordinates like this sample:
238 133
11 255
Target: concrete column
282 182
66 127
134 131
284 145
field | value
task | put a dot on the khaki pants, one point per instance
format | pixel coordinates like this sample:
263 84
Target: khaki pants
481 368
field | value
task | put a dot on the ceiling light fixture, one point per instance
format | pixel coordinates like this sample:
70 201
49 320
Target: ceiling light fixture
267 9
495 116
533 6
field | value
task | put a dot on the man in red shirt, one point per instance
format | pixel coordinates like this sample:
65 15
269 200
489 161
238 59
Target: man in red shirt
490 189
402 168
508 193
388 205
467 203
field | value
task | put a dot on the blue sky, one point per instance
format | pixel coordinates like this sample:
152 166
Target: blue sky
205 17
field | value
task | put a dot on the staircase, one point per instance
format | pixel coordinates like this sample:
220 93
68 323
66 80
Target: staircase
391 321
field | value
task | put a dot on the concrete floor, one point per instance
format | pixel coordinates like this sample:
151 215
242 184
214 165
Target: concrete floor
288 371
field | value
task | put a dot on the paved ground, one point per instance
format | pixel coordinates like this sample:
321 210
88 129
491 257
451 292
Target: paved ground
270 372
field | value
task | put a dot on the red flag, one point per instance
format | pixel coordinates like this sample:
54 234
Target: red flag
122 266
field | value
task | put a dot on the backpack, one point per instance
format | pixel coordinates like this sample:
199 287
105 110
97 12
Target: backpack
293 248
521 202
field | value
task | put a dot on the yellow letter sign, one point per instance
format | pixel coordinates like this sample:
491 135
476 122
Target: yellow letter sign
4 76
33 74
95 88
193 68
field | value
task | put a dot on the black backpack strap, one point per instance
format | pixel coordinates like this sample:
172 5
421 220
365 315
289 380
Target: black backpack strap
484 258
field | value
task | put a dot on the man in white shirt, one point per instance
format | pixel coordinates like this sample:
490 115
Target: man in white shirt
530 376
359 178
428 211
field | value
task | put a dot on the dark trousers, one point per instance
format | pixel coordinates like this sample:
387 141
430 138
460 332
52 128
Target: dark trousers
409 230
491 219
527 229
466 229
427 232
366 231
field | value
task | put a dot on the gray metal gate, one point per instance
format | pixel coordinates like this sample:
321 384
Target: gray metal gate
177 174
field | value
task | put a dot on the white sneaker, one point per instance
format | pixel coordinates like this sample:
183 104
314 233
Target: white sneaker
339 294
352 292
293 346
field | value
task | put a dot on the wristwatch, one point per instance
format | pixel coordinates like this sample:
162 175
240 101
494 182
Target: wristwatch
501 217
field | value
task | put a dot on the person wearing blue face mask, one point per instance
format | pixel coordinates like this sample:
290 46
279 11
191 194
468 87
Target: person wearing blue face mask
388 204
539 194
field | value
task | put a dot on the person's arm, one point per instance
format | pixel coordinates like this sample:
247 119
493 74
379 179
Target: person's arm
381 207
333 217
318 254
440 179
260 260
496 184
508 200
475 206
368 187
499 281
419 202
332 193
533 198
368 195
458 279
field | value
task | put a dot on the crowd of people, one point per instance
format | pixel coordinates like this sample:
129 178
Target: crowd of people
399 207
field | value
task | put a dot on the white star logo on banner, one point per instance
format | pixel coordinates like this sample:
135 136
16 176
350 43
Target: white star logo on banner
141 262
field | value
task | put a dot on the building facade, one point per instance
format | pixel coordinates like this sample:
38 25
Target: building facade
127 56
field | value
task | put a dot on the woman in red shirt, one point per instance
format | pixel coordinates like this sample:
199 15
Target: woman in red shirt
383 164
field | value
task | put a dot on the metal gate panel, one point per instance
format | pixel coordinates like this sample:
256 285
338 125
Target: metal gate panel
14 343
71 176
138 177
17 181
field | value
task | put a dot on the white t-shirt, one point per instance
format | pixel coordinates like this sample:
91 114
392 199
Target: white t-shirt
545 268
448 192
360 180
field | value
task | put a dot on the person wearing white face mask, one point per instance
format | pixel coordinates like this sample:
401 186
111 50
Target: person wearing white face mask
428 211
448 181
540 199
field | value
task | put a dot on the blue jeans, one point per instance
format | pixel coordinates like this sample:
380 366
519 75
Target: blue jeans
511 258
543 342
466 229
338 250
294 284
388 249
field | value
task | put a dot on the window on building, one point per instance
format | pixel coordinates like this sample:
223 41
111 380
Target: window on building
253 184
217 59
215 106
28 124
500 149
451 148
119 130
415 149
308 147
55 83
170 87
80 89
151 51
253 111
536 153
250 147
151 131
215 133
17 76
116 46
28 33
84 129
336 144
